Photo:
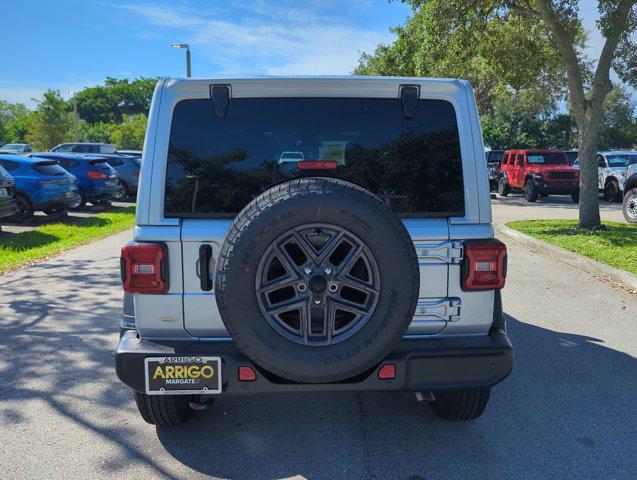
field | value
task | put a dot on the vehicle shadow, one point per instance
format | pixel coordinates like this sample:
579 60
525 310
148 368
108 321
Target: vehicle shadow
568 404
552 201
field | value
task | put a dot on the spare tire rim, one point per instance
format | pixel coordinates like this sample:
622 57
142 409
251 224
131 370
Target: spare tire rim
631 206
317 284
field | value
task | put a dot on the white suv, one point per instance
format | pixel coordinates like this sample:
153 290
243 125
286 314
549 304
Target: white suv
372 265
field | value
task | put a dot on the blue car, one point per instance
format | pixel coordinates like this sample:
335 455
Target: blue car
40 185
97 181
128 170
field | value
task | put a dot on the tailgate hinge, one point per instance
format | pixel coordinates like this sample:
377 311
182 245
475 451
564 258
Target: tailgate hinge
446 252
446 309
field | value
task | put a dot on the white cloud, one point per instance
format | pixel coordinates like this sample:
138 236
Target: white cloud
267 38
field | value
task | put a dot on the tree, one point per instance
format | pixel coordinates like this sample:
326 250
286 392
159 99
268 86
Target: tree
116 98
499 55
14 122
51 122
588 85
619 121
95 132
130 133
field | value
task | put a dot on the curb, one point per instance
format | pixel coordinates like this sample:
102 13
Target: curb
620 277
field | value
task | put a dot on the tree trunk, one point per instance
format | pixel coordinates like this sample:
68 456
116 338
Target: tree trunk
589 191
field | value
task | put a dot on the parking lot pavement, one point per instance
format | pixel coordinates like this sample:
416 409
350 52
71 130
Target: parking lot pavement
567 411
515 207
40 218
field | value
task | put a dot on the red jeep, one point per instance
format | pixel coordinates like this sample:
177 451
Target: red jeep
538 172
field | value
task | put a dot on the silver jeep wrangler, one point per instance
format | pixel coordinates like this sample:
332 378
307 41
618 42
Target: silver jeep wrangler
312 235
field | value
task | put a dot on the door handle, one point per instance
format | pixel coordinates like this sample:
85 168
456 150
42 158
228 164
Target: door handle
205 253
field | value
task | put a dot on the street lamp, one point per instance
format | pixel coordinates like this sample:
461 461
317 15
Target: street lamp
75 118
187 47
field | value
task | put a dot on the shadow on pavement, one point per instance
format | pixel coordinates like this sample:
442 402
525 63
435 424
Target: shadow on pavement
567 410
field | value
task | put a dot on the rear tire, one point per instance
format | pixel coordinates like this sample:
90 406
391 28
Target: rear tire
164 410
503 187
461 405
629 207
81 204
612 192
24 208
530 191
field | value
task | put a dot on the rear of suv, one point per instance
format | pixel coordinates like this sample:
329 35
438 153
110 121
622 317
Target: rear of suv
370 266
538 173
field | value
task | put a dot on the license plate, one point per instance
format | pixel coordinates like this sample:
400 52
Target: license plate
183 375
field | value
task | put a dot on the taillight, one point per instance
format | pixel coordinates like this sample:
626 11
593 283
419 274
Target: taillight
96 175
144 268
485 265
136 174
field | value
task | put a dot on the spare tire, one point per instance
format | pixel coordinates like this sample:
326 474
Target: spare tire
317 280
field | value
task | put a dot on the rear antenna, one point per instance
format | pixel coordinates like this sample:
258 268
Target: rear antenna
220 96
409 98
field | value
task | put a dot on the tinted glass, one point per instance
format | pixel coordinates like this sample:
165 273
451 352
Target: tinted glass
101 164
8 165
553 158
216 166
12 147
63 148
621 160
113 162
107 149
494 156
49 168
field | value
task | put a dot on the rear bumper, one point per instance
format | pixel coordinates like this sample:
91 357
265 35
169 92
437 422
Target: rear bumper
421 365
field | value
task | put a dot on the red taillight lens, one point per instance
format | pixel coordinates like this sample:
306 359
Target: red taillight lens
96 175
144 268
247 374
316 165
387 372
484 265
136 174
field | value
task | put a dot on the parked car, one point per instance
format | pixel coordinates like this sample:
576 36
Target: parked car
571 155
128 170
611 168
538 172
84 147
494 160
97 181
7 195
629 206
16 148
246 283
40 185
132 153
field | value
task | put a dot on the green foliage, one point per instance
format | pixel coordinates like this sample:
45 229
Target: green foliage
109 103
51 122
95 132
130 133
14 122
616 247
499 53
619 121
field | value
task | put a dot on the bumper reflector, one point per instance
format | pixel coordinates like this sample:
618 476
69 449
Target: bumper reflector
387 372
247 374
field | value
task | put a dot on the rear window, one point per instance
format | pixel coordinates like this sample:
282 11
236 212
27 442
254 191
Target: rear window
494 156
101 164
49 168
552 158
217 166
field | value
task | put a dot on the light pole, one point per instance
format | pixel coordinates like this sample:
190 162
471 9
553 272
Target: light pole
75 122
187 47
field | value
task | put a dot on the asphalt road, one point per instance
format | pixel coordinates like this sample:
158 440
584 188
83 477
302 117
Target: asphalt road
567 411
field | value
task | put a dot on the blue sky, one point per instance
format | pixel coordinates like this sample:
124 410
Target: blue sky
71 44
